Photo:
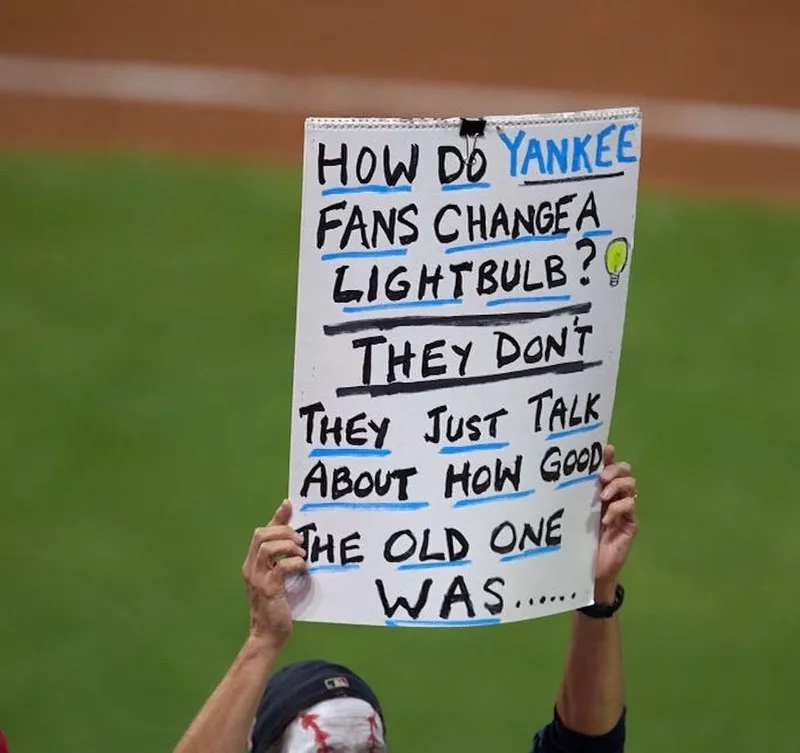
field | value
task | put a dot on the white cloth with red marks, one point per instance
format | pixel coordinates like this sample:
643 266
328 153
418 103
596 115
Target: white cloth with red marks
338 725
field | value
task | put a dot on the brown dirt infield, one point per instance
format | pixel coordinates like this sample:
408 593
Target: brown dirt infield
726 51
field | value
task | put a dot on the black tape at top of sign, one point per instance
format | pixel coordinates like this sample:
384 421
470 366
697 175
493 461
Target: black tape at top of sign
473 128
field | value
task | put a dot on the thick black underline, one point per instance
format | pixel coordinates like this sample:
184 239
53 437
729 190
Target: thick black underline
573 179
397 388
465 320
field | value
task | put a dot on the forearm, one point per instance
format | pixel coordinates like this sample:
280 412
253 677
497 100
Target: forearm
592 696
224 721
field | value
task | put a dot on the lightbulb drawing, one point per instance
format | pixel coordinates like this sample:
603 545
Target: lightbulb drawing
616 258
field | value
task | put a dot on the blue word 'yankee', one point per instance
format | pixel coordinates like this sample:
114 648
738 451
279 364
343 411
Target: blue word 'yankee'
608 148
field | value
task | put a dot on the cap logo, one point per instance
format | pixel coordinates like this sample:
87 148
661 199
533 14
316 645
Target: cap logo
333 683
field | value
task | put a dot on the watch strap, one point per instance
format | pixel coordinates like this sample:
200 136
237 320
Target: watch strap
604 611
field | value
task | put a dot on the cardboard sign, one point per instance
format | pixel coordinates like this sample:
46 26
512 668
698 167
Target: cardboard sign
460 313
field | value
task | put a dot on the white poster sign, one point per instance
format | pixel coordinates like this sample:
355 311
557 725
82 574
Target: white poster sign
461 303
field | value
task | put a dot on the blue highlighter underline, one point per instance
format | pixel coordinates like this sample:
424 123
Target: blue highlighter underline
469 501
444 623
529 299
464 186
434 565
377 253
339 190
331 568
370 506
348 452
571 432
402 305
461 449
531 553
575 481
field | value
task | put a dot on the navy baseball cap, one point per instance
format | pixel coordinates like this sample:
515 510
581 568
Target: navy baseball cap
296 688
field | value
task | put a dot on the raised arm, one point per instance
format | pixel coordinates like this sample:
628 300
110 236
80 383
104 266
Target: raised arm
590 712
223 724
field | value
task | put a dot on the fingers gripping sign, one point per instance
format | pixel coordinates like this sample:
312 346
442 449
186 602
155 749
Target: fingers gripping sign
275 555
619 524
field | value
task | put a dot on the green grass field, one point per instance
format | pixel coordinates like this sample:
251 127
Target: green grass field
146 322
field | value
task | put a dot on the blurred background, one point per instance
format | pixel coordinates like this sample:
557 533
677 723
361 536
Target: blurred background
149 221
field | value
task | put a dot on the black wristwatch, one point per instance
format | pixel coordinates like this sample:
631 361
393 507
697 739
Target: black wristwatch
604 611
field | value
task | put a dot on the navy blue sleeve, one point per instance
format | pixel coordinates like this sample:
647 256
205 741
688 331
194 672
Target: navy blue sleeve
556 738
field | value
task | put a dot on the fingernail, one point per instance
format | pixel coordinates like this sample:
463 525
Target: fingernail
298 538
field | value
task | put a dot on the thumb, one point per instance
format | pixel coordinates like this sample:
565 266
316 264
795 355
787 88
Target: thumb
283 514
609 451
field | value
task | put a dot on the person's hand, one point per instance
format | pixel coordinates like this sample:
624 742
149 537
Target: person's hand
275 552
618 523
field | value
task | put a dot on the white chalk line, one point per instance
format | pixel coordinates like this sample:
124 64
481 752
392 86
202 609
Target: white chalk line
332 96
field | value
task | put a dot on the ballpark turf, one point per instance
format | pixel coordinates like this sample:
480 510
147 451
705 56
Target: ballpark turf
146 322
